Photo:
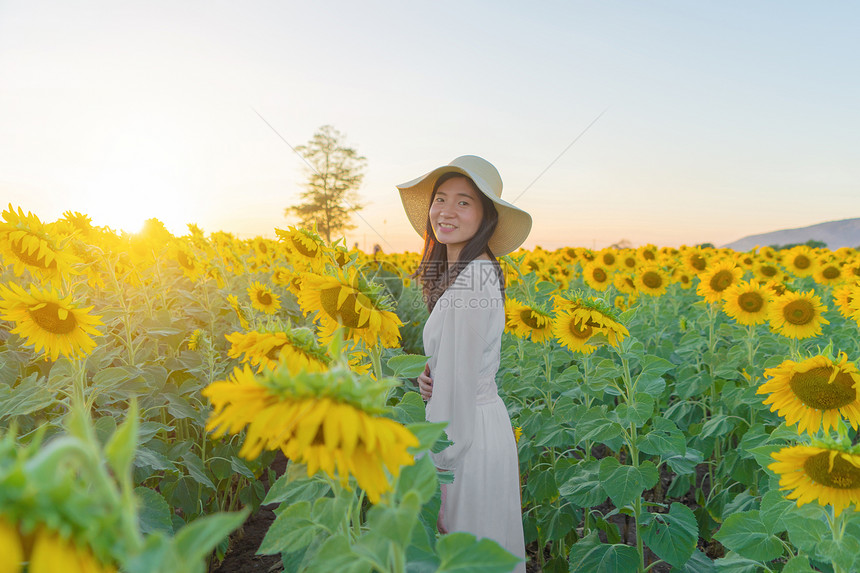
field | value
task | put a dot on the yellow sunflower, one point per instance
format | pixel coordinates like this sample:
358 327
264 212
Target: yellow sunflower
596 276
49 322
647 254
768 271
797 315
608 258
800 261
580 321
327 420
518 432
747 302
812 473
11 548
846 298
682 277
188 261
296 349
305 244
233 300
827 272
628 260
524 321
652 280
716 279
263 299
53 553
346 299
624 283
745 260
695 259
194 339
814 392
767 253
26 244
851 271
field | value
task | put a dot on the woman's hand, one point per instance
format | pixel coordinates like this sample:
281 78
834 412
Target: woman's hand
440 521
425 383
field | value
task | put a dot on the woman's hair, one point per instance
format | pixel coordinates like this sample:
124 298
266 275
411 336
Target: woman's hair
433 271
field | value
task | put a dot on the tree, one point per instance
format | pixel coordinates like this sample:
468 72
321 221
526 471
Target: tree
329 195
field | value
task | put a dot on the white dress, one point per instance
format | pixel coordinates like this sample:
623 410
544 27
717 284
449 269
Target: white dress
463 338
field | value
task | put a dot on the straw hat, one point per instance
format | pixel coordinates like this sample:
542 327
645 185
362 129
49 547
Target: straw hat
514 223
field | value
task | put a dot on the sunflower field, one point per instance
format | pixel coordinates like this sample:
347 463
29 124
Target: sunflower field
688 410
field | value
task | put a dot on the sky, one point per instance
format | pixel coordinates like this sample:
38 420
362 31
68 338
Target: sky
719 119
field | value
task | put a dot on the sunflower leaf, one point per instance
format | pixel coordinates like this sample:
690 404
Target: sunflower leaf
746 534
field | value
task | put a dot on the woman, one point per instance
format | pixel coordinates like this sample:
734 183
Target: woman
458 210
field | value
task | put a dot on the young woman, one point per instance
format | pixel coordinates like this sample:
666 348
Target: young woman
458 210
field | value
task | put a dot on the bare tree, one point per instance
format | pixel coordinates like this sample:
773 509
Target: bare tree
329 195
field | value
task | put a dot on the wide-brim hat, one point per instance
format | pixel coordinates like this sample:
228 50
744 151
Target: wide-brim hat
514 224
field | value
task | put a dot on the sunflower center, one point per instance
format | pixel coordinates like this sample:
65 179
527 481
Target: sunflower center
802 262
721 281
648 255
529 319
263 248
629 282
751 301
582 333
698 262
768 270
652 280
52 317
346 315
609 258
304 249
599 275
798 312
274 353
843 475
814 391
264 298
32 259
533 265
855 270
831 273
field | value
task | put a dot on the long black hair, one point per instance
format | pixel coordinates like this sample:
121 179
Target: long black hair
433 271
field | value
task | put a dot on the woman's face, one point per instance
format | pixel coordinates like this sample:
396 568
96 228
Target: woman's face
456 213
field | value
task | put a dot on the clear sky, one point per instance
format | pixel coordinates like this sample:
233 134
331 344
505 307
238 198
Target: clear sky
722 119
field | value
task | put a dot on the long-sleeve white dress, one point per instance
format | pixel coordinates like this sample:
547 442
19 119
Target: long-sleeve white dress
463 338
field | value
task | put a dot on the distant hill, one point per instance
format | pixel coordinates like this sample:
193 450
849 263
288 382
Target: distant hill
844 233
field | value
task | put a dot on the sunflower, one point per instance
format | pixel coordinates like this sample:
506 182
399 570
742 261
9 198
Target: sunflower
767 271
53 553
852 271
797 315
767 253
652 280
846 297
608 258
525 321
695 260
346 299
233 301
800 261
26 244
683 278
188 262
518 432
828 475
578 322
327 420
297 349
596 276
745 260
814 392
624 283
263 299
647 254
11 548
305 244
747 302
715 280
194 339
49 322
628 260
827 272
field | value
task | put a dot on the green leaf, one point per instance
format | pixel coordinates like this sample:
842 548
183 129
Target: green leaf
197 539
774 507
419 478
541 485
195 468
556 522
430 435
410 409
240 466
407 365
734 563
155 460
154 511
718 425
597 426
746 534
698 563
588 554
673 536
806 528
287 489
685 464
292 530
798 564
120 449
584 488
636 413
624 484
463 553
336 554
